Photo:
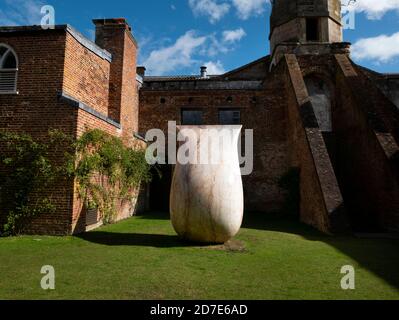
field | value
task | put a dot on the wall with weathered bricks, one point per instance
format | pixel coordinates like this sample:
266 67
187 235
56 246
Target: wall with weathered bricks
115 36
54 63
35 108
321 202
262 110
358 162
86 75
291 31
367 130
387 83
117 91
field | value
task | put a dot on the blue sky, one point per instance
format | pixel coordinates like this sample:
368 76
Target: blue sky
178 36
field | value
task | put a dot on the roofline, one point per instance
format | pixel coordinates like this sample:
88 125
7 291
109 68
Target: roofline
79 37
245 66
198 78
31 28
179 78
378 75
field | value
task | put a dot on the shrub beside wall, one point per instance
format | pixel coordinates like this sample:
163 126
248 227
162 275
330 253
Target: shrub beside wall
105 169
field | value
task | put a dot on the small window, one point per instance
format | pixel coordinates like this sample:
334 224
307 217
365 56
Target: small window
229 117
312 29
92 216
192 117
8 70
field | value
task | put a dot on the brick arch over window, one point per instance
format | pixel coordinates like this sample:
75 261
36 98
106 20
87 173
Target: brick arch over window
8 69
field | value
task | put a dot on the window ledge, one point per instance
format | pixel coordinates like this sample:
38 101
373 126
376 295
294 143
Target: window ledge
9 92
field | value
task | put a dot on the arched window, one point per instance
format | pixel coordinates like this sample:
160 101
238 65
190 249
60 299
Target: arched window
8 69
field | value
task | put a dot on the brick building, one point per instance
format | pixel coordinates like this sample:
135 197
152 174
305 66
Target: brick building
311 108
59 79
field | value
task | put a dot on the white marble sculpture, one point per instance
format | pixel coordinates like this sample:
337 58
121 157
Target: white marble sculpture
206 201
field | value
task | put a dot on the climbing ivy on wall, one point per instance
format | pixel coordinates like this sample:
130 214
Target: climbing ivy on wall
108 172
28 170
105 169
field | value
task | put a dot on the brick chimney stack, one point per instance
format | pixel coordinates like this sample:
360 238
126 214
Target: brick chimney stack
115 36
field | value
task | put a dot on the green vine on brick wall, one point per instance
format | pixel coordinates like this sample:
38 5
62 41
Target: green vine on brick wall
105 169
108 172
28 171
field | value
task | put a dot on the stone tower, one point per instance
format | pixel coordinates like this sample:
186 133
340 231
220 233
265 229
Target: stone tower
305 22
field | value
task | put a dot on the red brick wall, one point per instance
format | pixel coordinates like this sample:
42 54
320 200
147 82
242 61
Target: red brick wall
86 76
36 108
321 202
51 62
119 96
115 36
266 116
129 92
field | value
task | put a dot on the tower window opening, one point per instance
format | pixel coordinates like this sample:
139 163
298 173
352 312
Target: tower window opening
312 29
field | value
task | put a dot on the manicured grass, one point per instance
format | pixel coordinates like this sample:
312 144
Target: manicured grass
141 258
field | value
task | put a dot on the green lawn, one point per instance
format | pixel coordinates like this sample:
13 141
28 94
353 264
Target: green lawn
141 258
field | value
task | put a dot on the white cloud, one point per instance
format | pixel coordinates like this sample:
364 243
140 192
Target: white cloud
189 50
375 9
21 12
213 9
248 8
233 35
178 55
380 49
215 46
214 68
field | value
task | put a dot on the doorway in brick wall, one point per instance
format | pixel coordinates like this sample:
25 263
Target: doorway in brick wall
160 188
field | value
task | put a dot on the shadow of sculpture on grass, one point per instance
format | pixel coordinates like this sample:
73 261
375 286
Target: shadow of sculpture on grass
380 256
134 239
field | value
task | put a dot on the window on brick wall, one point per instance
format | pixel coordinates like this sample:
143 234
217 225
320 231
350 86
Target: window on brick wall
92 217
8 70
229 117
191 117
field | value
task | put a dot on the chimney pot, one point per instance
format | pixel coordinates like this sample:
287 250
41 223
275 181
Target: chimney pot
204 72
141 71
112 22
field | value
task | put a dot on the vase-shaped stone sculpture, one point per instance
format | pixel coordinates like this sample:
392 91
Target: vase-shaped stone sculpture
207 201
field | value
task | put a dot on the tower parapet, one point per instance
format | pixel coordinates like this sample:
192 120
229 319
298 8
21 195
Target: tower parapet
305 21
306 27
